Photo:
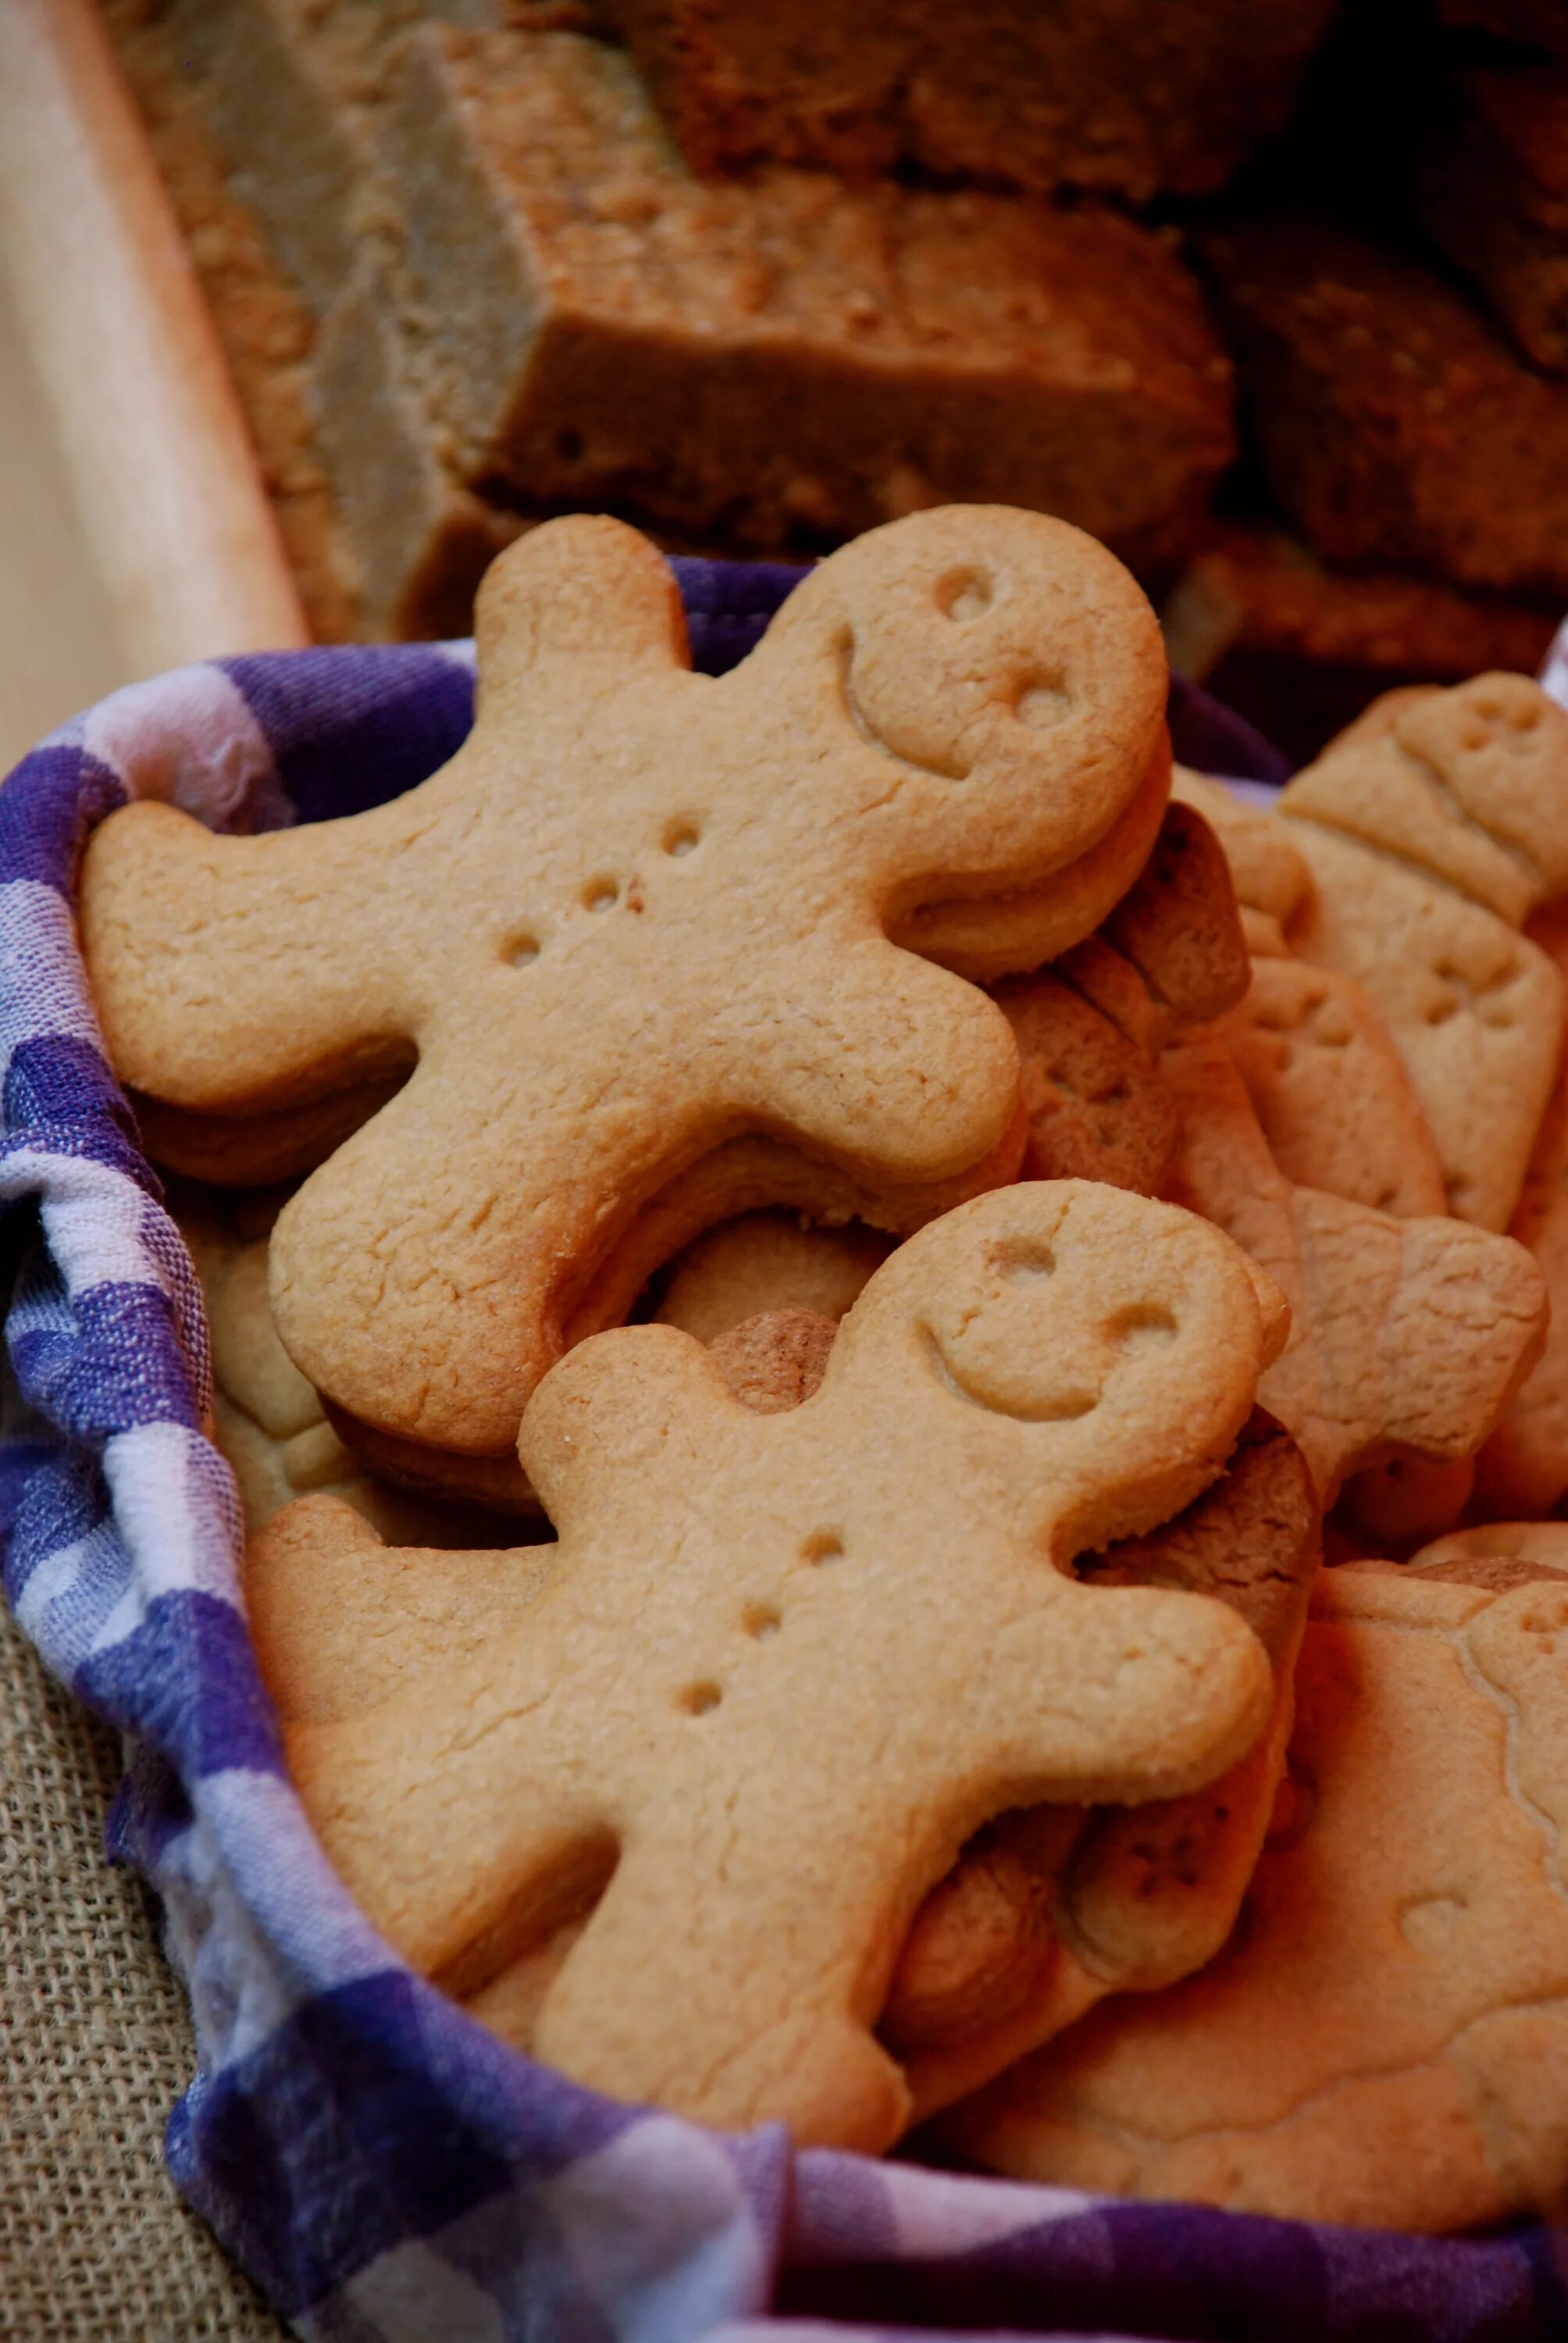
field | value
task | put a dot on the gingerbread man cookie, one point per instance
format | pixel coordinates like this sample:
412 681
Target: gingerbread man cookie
1386 2041
766 1262
267 1421
641 914
1433 828
1336 1103
1524 1468
1408 1337
785 1665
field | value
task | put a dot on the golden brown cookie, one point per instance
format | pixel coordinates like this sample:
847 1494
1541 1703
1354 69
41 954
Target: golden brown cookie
1542 1543
1052 1909
986 937
1524 1468
1433 829
267 1422
1097 1107
1089 1027
730 1182
767 1261
640 912
1385 2041
1179 923
1337 1105
1407 1337
784 1667
774 1360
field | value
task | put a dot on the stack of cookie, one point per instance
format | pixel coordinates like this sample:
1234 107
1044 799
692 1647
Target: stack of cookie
932 1214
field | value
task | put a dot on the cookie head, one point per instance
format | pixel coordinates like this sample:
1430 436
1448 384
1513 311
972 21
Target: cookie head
1500 745
1001 651
1123 1338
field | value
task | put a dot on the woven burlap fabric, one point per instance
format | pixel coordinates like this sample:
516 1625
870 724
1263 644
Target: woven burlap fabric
95 2046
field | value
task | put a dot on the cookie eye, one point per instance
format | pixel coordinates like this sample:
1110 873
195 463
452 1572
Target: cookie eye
1042 703
600 895
698 1699
521 950
681 837
822 1545
1025 1264
1142 1326
964 596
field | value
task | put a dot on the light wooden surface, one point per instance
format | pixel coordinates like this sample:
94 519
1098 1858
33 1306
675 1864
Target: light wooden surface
135 533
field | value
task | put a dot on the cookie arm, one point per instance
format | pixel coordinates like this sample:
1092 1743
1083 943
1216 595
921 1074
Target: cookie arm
891 1067
1124 1694
239 973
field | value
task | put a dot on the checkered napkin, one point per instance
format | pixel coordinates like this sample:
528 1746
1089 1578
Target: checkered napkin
385 2169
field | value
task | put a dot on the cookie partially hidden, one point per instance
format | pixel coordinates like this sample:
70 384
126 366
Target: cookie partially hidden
1050 1910
782 1667
1385 2040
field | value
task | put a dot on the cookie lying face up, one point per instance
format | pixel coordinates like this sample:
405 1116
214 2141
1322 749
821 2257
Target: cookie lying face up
1386 2041
641 914
785 1665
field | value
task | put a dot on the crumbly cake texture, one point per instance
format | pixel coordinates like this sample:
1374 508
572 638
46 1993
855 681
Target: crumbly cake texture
1408 1337
1491 187
1434 826
1112 95
262 321
968 698
1051 1367
509 295
1409 1912
779 358
1397 424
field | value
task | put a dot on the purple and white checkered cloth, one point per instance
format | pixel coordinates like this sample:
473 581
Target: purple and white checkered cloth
386 2169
